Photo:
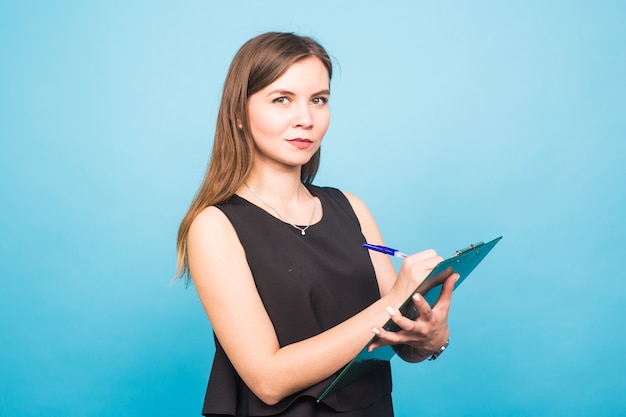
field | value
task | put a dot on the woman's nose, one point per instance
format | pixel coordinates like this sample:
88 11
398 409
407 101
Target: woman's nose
303 117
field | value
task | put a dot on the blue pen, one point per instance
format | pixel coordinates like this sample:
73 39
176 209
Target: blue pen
385 250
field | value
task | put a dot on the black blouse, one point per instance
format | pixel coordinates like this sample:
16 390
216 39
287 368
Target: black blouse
308 284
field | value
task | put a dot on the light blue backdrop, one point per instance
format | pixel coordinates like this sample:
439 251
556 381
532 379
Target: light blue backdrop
454 121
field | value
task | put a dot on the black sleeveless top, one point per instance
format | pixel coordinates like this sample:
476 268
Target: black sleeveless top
308 284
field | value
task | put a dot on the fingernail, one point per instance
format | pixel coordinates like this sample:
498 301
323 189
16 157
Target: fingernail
457 277
416 297
375 330
390 311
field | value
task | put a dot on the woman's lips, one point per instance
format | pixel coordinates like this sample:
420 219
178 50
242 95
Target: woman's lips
301 143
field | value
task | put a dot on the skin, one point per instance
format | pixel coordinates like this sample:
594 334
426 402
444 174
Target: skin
295 107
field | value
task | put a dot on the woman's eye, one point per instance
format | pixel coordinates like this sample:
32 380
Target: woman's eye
281 100
318 101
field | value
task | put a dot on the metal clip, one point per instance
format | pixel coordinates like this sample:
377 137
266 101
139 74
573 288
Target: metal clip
469 248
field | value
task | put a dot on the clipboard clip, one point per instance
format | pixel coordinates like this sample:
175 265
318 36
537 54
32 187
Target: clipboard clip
469 248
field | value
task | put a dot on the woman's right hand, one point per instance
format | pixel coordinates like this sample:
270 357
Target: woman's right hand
429 331
413 271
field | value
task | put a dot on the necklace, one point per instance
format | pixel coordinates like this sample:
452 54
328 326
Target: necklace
301 229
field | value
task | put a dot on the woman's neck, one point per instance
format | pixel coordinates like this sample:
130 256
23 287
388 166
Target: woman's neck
283 196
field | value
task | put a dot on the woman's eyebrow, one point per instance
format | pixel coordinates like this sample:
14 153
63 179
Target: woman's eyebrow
324 92
281 92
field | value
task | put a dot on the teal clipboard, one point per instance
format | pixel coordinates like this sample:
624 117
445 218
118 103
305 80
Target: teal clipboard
462 262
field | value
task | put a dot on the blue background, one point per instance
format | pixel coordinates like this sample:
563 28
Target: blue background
454 121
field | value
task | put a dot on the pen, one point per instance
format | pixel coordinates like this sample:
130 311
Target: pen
385 250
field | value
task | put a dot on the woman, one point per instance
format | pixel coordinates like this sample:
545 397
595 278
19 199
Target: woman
277 262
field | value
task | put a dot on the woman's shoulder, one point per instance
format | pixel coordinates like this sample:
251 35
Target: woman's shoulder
348 201
336 193
211 221
333 192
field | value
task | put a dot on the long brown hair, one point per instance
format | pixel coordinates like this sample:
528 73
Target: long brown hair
259 62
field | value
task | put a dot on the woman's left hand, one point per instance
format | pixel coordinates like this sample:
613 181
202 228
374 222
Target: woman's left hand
428 332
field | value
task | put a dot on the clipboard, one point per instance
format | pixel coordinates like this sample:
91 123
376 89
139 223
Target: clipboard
462 262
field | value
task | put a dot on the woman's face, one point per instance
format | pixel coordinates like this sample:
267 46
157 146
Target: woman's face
289 117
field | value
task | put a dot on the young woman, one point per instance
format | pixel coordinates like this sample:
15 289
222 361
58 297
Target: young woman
277 262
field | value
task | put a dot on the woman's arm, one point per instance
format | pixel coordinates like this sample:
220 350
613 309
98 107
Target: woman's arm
229 296
419 338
